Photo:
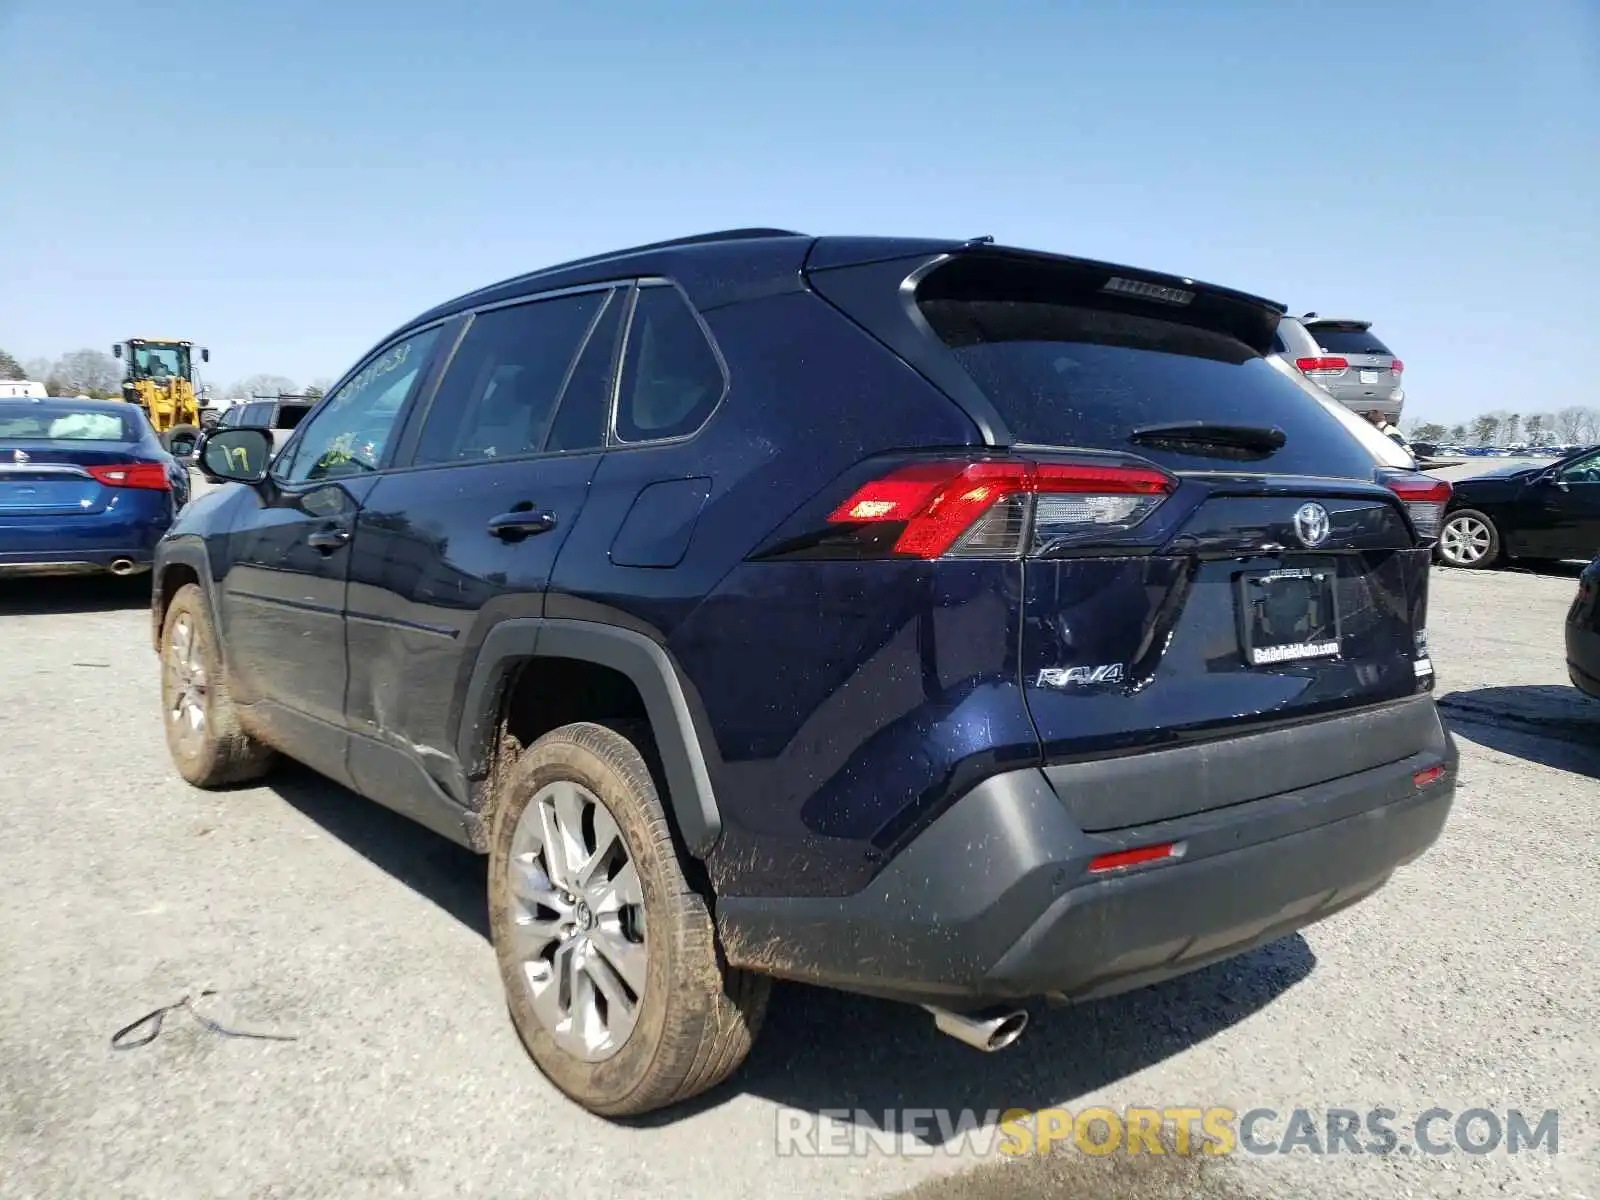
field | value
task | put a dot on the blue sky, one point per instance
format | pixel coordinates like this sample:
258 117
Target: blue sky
285 182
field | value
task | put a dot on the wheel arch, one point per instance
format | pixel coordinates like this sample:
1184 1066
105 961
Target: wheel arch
180 562
671 707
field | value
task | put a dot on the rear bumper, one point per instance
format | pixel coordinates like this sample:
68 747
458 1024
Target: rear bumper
129 560
105 564
86 544
995 901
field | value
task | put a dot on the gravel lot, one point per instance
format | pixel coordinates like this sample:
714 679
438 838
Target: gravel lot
1471 981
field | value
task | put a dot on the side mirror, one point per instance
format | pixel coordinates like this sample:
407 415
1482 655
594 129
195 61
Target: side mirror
116 351
205 355
235 455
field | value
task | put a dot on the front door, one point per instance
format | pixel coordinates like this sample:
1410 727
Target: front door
468 534
1562 512
283 593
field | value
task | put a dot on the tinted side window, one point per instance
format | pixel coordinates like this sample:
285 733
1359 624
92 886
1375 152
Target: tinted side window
498 395
585 409
350 431
1582 470
671 377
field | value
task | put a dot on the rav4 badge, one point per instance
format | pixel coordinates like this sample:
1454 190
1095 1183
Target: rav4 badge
1060 677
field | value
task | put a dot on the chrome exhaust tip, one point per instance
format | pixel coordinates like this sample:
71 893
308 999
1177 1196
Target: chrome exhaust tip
122 566
986 1031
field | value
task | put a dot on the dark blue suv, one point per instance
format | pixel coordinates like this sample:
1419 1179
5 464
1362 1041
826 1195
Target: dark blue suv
935 620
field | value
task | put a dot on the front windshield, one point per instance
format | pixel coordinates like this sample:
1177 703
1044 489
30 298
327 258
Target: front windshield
156 360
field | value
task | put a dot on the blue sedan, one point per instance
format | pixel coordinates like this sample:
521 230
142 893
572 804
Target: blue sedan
85 487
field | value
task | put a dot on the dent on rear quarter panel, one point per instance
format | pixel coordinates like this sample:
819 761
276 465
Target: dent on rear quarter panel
850 702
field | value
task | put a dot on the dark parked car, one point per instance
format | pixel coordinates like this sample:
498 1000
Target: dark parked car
1583 632
1544 511
85 488
932 620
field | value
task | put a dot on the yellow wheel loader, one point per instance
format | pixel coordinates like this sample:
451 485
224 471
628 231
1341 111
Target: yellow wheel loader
160 378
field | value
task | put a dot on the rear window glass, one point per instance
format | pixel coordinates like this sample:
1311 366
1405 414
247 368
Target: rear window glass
30 422
290 415
1062 375
1349 341
501 387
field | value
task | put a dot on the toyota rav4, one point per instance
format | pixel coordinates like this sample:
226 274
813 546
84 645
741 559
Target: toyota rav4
934 620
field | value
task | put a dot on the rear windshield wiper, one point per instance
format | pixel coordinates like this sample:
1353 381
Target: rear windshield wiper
1255 439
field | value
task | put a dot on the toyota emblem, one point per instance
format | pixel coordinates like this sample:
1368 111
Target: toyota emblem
1311 524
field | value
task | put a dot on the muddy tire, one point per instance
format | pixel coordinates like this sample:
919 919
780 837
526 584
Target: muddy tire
608 954
203 735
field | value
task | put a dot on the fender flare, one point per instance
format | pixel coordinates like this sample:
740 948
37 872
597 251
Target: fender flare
188 552
669 703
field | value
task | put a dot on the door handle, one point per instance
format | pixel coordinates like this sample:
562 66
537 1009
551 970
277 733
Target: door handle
328 539
520 523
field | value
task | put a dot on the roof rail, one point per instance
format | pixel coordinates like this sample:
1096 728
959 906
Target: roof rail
695 239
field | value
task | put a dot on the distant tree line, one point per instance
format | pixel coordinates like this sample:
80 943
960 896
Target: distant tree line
1574 425
98 375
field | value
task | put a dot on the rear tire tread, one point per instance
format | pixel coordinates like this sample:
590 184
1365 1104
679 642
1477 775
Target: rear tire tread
712 1012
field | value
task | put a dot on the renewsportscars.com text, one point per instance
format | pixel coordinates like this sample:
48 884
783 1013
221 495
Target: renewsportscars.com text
1181 1130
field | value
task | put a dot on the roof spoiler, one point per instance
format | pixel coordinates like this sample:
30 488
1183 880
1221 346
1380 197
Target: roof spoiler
1029 275
1312 321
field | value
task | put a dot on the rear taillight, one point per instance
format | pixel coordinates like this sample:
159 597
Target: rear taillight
1322 366
150 476
1424 499
1002 509
1396 367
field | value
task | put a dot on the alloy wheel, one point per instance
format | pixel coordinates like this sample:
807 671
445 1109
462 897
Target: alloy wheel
1464 541
187 685
577 923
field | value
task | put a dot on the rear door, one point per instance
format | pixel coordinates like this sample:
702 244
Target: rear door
1270 579
499 469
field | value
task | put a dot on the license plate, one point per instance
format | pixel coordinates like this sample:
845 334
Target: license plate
1288 616
1369 377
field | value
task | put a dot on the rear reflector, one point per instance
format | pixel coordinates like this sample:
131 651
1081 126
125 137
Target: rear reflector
1133 858
149 476
1428 775
1322 366
999 508
1424 498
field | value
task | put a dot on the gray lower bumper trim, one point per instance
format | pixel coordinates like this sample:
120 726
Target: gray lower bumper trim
1159 785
